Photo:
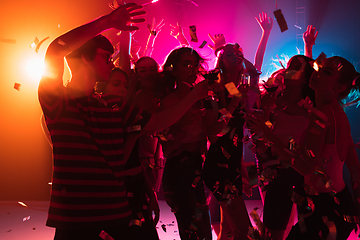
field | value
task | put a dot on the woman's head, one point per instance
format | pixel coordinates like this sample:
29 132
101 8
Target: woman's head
182 65
336 75
298 73
147 71
117 84
230 56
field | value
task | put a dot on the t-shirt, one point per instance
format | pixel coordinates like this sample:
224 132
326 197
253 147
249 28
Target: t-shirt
88 188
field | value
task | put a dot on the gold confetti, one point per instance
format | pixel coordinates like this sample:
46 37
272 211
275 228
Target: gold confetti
6 40
104 235
17 86
22 204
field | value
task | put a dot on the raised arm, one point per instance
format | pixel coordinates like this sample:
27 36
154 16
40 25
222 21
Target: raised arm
154 29
177 32
119 19
309 37
266 24
122 59
167 117
218 41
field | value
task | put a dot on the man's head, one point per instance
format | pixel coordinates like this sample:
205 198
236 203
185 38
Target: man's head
96 53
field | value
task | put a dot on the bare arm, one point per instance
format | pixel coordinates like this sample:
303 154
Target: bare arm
165 118
266 24
309 37
123 57
177 32
154 29
75 38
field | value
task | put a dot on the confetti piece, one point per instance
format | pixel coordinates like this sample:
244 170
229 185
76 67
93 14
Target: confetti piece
17 86
232 89
33 228
34 43
193 33
281 20
104 235
39 44
114 5
254 215
245 80
163 226
22 204
203 44
9 230
318 61
135 222
6 40
62 43
26 218
310 153
268 124
50 183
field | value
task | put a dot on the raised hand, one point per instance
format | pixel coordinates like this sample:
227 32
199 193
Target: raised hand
155 28
218 41
265 22
124 16
176 31
309 36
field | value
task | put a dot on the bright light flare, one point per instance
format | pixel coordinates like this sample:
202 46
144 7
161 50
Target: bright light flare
316 66
34 68
153 1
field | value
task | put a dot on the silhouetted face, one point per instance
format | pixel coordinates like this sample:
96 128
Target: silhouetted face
232 57
147 72
117 85
326 79
102 65
294 73
187 69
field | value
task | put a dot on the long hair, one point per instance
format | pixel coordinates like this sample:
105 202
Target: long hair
171 63
308 71
350 78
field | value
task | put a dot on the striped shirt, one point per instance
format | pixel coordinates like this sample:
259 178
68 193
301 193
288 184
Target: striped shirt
88 172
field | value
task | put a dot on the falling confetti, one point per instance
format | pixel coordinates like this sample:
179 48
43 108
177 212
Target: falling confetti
193 33
281 20
104 235
26 218
22 204
163 226
203 44
17 86
36 44
6 40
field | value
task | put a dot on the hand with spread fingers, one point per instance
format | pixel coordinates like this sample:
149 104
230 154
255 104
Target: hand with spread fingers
265 22
218 41
124 16
177 32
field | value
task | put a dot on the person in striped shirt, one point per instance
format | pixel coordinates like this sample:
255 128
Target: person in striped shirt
88 196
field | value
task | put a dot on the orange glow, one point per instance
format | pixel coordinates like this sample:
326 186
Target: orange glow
34 68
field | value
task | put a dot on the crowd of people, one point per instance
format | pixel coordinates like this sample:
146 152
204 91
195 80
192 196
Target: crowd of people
125 127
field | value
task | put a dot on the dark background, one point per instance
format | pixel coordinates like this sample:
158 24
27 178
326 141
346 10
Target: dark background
25 155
